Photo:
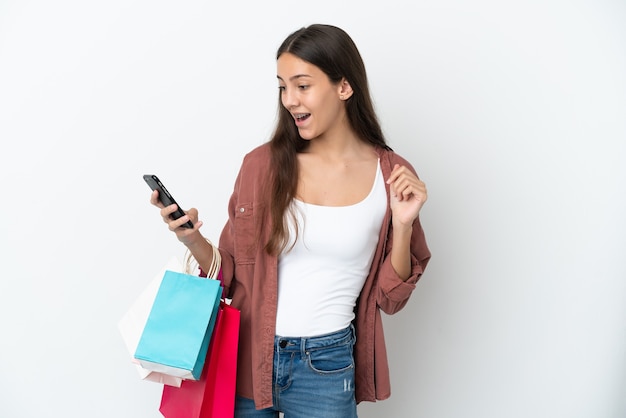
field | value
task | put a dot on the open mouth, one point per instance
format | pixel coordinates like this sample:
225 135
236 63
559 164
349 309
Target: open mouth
301 117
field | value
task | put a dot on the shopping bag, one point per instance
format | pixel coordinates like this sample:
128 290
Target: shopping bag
176 336
213 396
134 320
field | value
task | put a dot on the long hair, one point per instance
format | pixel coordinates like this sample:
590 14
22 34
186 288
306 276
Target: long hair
333 51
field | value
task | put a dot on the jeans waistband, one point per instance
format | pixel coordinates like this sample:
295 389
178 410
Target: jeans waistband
287 344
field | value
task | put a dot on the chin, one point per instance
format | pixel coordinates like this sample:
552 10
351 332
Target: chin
306 136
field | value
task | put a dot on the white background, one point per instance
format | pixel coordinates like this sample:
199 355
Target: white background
514 113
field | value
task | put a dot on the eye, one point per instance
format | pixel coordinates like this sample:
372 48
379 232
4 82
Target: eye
281 88
303 86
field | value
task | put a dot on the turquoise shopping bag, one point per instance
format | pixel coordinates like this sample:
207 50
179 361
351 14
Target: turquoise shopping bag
177 333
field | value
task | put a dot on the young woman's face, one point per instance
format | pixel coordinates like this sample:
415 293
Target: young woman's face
311 98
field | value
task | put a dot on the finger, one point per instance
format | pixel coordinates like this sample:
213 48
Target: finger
392 191
174 224
404 188
154 199
394 174
167 211
407 193
397 189
189 216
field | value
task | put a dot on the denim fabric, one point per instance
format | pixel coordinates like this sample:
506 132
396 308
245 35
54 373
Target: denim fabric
313 378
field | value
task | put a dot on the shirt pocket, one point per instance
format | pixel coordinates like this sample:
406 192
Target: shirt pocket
245 236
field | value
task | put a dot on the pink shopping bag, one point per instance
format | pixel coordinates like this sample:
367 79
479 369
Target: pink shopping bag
213 396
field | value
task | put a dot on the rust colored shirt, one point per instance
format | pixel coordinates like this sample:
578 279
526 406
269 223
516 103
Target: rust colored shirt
251 280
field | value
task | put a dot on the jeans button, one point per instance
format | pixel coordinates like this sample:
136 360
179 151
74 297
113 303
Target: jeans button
282 343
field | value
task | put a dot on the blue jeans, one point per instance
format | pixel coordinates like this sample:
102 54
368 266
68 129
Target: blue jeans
313 378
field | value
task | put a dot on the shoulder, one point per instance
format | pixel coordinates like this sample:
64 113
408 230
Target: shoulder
261 151
258 155
258 159
389 158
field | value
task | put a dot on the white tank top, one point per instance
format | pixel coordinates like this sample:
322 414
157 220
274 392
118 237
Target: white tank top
321 277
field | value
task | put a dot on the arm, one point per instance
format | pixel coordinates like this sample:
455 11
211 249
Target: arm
406 252
394 290
407 196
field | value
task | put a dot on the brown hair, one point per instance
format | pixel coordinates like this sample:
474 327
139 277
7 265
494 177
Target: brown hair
333 51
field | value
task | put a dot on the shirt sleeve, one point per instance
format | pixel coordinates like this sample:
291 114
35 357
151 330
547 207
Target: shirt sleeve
393 292
227 240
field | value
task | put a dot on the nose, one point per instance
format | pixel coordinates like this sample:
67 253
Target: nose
289 98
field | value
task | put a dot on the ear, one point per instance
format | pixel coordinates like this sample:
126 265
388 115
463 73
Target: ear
344 89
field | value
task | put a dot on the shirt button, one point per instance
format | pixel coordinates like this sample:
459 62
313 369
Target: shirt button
242 210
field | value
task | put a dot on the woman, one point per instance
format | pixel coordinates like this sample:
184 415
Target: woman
323 233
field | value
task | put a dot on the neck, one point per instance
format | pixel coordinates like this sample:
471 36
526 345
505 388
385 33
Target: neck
348 147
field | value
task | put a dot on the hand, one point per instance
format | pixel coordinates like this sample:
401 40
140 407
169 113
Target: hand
408 195
184 235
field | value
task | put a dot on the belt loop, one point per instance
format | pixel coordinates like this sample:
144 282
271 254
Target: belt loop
303 342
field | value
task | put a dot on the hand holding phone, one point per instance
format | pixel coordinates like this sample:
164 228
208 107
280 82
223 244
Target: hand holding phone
165 197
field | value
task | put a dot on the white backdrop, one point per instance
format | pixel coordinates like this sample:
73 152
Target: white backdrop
514 113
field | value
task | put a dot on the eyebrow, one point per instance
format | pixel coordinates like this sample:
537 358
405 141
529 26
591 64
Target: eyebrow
293 77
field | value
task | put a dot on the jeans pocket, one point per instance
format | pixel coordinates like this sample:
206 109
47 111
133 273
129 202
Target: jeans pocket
331 359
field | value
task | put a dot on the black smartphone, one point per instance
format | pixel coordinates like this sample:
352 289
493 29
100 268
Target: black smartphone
165 197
